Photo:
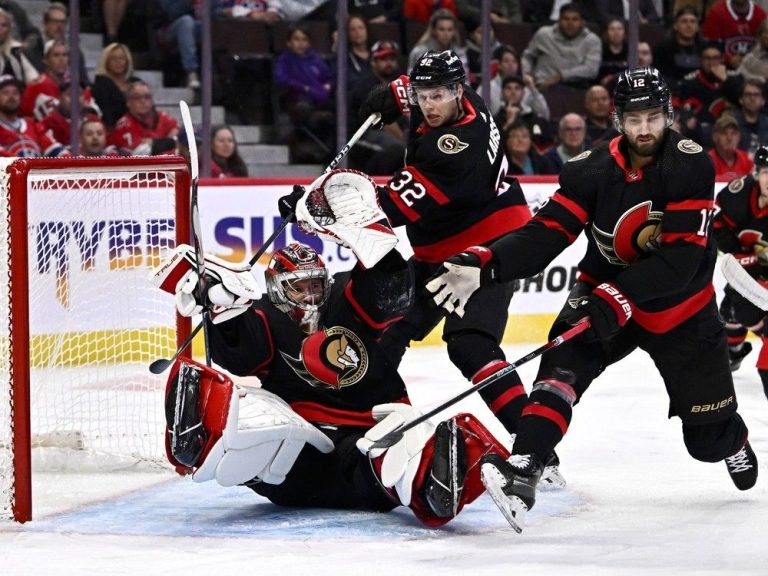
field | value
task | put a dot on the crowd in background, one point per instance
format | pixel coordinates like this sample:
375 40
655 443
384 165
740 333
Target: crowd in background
550 95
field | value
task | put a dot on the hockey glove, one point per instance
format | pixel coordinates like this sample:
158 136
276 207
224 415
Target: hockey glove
389 100
231 289
287 204
608 310
399 463
460 277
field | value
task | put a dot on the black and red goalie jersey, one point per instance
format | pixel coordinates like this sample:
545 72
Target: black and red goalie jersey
336 375
647 230
452 192
740 224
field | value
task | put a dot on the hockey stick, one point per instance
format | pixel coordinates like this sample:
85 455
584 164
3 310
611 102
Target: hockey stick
394 437
161 364
742 282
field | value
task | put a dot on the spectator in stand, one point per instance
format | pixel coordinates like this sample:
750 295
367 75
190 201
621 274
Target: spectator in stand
566 53
20 136
114 75
678 54
730 162
474 50
377 11
509 65
307 96
615 52
378 152
600 127
442 33
295 10
114 13
54 28
603 11
57 121
23 29
572 134
755 63
644 55
144 130
226 161
93 139
41 97
735 24
183 29
358 53
703 95
254 10
13 62
423 10
502 11
753 122
513 109
523 156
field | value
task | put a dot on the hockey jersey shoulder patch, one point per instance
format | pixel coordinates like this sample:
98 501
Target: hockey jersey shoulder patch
450 144
736 186
689 147
581 156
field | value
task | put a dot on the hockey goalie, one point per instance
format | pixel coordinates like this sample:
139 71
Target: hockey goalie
304 438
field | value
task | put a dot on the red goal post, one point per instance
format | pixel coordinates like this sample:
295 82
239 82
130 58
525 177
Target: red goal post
82 322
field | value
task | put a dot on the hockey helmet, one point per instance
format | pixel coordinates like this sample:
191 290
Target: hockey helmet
298 284
641 89
435 69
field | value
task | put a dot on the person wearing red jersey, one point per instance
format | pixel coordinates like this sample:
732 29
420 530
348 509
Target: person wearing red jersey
734 23
144 130
645 201
741 228
20 136
304 438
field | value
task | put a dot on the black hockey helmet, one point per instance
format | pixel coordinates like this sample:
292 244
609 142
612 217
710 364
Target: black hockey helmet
437 69
761 157
641 89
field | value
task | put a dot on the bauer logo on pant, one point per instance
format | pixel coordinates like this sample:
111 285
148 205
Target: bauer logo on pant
331 358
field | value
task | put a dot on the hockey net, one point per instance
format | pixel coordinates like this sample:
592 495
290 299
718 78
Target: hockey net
81 321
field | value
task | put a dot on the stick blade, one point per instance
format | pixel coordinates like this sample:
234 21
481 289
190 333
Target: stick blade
186 120
741 281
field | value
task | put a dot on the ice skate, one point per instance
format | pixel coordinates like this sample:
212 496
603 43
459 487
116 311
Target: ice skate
449 469
512 484
735 356
742 467
551 477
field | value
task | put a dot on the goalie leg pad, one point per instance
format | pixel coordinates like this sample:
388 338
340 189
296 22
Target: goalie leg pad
445 484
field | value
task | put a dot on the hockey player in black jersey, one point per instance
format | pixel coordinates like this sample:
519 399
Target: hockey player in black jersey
452 193
740 228
327 392
645 201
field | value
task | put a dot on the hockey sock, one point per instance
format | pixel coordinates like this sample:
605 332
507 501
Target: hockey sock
545 419
506 397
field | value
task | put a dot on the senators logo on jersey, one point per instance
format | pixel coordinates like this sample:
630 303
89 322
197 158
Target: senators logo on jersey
331 358
637 231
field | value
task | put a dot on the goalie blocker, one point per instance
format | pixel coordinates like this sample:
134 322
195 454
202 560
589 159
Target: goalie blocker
254 438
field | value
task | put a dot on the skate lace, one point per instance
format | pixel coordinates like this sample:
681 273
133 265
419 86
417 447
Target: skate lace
739 462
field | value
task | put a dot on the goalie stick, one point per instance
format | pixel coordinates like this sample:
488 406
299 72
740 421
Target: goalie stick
162 364
394 437
743 283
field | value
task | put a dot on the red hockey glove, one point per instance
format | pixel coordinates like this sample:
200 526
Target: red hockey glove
460 277
287 204
389 100
608 310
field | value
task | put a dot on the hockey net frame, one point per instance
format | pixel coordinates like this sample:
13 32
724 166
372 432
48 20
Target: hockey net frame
123 179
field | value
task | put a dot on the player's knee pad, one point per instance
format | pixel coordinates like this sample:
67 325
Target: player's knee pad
715 441
470 351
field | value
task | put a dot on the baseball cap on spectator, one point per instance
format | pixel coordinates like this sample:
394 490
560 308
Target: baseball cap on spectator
384 48
7 79
725 121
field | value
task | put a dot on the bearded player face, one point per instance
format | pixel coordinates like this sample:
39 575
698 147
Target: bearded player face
644 130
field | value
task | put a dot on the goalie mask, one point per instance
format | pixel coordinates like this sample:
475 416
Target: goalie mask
298 284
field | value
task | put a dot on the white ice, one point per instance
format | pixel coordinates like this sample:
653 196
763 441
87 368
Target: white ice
635 504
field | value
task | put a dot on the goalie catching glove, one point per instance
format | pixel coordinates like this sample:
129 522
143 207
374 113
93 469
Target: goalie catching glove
342 206
230 289
460 277
214 432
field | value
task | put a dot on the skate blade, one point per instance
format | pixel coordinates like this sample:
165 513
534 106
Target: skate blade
513 509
